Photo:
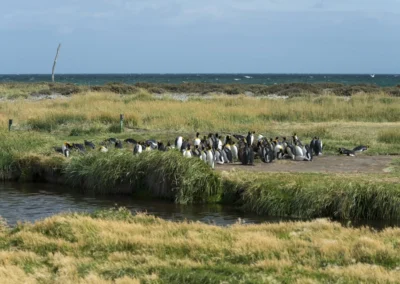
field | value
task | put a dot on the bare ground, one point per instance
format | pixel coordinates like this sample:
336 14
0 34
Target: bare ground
323 164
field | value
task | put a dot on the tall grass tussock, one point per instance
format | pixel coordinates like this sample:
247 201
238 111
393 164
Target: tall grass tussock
315 195
165 175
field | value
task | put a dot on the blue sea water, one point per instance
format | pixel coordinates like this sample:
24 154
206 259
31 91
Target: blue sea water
263 79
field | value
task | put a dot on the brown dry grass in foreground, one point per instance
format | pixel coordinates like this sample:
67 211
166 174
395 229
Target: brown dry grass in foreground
116 246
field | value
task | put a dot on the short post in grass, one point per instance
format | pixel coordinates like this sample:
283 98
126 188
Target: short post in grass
10 122
121 122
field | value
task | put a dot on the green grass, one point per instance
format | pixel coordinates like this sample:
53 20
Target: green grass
390 136
164 175
315 195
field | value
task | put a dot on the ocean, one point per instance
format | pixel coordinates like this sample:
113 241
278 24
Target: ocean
384 80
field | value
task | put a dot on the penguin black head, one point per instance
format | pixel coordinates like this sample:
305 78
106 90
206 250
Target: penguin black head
197 134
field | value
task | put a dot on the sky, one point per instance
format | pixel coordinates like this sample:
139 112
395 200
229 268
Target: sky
207 36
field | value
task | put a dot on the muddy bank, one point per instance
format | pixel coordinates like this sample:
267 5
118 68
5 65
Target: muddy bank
321 164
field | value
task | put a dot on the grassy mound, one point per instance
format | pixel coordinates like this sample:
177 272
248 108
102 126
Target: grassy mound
116 247
162 174
315 195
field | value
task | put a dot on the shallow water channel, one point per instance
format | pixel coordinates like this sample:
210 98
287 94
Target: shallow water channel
34 201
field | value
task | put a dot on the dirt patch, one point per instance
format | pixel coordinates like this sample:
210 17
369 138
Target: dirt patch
323 164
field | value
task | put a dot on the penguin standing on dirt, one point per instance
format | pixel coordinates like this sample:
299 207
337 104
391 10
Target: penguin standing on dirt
278 149
316 146
248 139
308 153
234 150
246 155
219 159
210 158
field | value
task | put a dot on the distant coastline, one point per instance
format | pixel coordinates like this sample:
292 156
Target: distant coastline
382 80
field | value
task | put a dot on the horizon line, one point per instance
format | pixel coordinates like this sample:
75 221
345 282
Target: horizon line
196 73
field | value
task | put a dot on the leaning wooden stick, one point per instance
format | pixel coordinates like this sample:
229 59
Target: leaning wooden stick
55 62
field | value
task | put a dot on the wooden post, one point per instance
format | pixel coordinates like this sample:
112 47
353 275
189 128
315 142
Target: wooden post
10 121
55 62
121 122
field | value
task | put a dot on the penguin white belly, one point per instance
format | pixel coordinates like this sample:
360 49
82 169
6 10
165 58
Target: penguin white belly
210 159
203 157
140 149
234 152
179 142
298 151
278 151
218 158
197 142
219 144
187 154
290 153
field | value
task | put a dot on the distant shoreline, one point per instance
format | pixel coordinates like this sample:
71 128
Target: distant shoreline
383 80
26 89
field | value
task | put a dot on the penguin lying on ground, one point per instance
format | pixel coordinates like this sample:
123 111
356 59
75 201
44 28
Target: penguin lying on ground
89 144
360 148
347 152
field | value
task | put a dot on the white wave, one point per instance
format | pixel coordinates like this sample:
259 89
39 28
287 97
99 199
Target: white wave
248 77
236 79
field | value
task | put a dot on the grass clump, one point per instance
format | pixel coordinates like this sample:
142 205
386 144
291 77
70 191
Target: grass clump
54 120
314 195
114 246
391 136
166 175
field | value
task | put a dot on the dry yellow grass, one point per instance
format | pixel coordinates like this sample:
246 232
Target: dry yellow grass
224 113
126 249
341 121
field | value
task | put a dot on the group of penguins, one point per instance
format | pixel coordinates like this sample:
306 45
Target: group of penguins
215 149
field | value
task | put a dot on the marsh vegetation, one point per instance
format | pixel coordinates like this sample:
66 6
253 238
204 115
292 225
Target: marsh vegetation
114 245
364 118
